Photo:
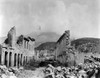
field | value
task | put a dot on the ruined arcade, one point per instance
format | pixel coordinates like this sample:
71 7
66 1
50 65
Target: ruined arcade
16 51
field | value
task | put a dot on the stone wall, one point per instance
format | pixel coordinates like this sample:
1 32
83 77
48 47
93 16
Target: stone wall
62 43
12 37
64 51
16 51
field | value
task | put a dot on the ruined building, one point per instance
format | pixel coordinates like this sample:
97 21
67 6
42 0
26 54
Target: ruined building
16 51
64 51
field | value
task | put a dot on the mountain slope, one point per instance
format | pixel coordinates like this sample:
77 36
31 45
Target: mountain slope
87 44
85 40
45 37
47 46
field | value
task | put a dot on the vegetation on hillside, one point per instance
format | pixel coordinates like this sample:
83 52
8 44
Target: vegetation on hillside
87 45
46 46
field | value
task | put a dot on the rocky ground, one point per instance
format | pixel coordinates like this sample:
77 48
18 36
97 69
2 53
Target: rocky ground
31 73
13 72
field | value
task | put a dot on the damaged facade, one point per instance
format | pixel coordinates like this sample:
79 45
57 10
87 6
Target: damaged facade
16 51
64 52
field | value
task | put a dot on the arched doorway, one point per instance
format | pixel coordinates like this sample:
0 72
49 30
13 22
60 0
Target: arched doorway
18 60
5 58
24 61
15 59
10 57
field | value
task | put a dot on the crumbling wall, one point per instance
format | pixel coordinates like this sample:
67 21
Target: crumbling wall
67 36
12 37
64 51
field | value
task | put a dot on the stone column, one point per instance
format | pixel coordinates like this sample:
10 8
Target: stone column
16 60
22 59
8 58
2 57
12 60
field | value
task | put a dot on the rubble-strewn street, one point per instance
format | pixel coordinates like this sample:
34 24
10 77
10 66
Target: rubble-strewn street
86 70
32 74
8 72
20 73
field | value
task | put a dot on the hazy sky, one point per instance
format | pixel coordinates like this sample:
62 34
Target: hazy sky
80 16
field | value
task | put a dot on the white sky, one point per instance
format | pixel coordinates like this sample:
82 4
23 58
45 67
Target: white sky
80 16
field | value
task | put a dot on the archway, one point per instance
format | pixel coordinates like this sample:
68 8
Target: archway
18 60
24 61
5 58
10 57
15 59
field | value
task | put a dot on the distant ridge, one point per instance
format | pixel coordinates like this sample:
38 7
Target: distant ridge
44 37
85 40
87 44
46 46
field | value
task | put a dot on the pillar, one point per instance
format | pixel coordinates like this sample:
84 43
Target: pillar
22 59
16 60
12 60
8 59
2 57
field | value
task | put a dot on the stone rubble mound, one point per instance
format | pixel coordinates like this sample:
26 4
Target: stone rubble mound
8 72
88 70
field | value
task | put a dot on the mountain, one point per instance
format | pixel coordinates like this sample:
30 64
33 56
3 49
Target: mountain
44 37
87 44
46 46
85 40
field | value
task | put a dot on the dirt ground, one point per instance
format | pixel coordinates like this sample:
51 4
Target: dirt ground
31 74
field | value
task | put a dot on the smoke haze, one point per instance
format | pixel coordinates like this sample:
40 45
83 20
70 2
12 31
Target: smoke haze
80 16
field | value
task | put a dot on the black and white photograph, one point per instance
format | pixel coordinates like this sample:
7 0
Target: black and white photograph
49 38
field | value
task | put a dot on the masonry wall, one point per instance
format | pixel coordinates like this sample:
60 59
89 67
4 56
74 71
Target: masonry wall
62 44
62 50
16 52
61 47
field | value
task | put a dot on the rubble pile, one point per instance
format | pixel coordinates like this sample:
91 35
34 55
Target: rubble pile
8 72
87 70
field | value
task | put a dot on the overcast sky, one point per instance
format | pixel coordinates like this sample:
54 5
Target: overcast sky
80 16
